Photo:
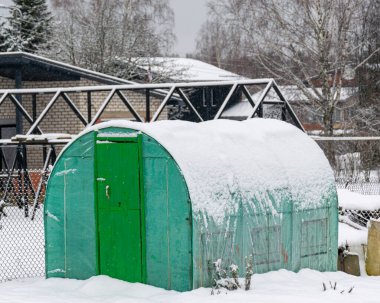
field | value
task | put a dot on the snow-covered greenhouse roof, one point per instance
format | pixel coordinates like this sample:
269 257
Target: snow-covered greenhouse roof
223 156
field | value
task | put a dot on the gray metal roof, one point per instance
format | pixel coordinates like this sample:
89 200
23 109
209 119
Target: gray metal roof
37 68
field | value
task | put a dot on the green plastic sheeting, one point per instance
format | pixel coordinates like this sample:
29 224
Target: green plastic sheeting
71 217
179 245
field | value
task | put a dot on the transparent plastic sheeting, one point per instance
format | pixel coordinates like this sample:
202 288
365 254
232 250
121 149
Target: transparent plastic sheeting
272 225
287 238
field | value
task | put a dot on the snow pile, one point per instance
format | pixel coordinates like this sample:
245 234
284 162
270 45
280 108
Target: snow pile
352 236
220 158
351 232
278 286
43 137
351 200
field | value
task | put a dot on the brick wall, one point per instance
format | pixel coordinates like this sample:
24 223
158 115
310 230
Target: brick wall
61 119
7 109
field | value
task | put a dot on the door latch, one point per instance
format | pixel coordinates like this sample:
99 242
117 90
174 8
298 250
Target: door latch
107 192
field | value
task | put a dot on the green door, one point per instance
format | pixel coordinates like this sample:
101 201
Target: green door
119 209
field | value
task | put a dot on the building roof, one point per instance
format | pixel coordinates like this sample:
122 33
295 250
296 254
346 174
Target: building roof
37 68
185 69
290 92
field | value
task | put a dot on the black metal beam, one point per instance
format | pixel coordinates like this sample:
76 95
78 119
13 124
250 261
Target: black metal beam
89 106
163 103
258 109
22 110
3 161
102 107
289 108
147 105
76 111
128 105
40 183
233 89
247 95
34 107
189 104
18 85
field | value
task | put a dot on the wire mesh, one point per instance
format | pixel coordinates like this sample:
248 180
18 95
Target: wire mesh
369 187
21 224
360 217
365 187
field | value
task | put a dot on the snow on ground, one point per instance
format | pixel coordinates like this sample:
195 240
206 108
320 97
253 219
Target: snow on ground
356 240
279 286
352 200
350 235
21 245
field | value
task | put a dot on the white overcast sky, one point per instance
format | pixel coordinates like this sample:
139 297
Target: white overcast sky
189 16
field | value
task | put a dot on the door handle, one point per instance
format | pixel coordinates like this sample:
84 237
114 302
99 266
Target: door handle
107 192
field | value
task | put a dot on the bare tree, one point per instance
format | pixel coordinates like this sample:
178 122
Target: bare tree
307 43
107 35
223 45
367 114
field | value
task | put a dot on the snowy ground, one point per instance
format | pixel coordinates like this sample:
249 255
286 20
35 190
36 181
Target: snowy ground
279 286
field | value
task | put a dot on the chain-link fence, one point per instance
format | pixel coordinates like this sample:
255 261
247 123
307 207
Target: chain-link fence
21 224
360 217
356 165
362 186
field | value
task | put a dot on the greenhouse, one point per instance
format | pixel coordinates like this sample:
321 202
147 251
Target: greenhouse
159 202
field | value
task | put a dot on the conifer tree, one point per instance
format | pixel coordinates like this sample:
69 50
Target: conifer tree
30 33
1 34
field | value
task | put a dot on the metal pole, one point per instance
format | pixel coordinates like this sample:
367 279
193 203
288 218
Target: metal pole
163 104
34 107
18 84
188 102
147 105
89 101
37 195
222 107
12 8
